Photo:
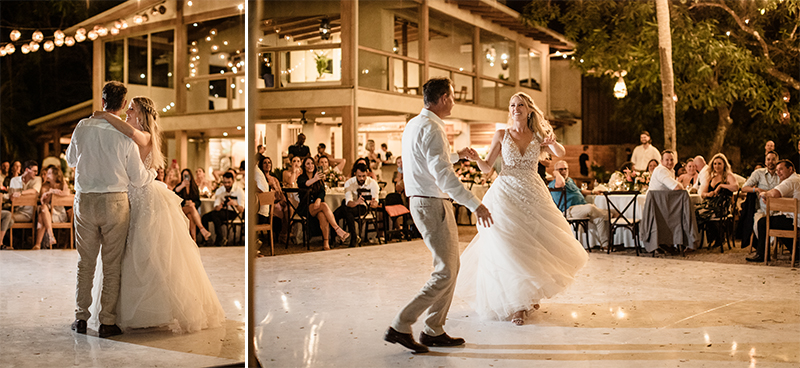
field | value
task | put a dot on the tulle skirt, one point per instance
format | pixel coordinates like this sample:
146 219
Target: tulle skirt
163 281
528 254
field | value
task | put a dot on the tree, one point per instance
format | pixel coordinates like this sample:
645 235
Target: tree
718 63
667 77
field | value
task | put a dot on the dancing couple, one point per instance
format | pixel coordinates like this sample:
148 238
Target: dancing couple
149 273
524 250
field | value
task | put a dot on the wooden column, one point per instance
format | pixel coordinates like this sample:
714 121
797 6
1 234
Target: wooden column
477 65
181 148
56 142
424 28
350 73
180 62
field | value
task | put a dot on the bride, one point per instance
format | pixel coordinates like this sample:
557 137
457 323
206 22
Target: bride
163 282
529 253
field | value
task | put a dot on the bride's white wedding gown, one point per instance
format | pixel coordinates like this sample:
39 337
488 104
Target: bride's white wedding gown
529 253
163 282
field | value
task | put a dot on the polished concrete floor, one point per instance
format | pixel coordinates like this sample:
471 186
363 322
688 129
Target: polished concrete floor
37 303
330 309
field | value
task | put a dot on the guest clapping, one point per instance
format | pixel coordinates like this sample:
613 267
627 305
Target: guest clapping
312 179
54 184
190 194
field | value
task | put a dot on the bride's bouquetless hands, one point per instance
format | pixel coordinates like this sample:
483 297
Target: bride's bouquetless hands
484 216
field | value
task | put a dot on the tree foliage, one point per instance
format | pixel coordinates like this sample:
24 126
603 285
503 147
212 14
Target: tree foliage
729 57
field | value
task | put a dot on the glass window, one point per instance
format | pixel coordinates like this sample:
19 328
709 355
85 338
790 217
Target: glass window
530 68
216 46
450 41
391 26
114 60
137 60
373 69
498 56
406 77
162 46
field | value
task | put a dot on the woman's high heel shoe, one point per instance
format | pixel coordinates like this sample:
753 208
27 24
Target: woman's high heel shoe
342 238
205 233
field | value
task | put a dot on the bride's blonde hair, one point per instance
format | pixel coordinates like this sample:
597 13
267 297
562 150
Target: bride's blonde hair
536 123
147 108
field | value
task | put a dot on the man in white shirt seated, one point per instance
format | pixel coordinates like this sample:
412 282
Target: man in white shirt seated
699 164
576 203
643 153
226 207
359 192
763 180
27 183
789 187
663 177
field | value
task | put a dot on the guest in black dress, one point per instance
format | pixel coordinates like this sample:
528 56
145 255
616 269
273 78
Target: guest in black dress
315 206
190 194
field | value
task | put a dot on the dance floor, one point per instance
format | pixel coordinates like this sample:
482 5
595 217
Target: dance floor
330 309
37 303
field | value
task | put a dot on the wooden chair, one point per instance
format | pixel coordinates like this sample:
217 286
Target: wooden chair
371 217
65 201
576 223
622 221
296 217
461 95
24 200
789 205
267 198
724 225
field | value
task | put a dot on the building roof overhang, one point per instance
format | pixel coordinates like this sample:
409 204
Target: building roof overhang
69 115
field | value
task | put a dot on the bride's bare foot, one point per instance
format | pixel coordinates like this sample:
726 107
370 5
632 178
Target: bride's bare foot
205 233
518 319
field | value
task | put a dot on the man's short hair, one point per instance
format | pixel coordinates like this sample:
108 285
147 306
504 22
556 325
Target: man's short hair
384 145
28 164
645 133
434 89
259 146
362 168
227 175
773 153
321 145
664 152
787 163
114 95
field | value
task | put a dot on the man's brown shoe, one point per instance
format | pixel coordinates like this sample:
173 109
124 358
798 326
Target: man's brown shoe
441 340
79 326
404 339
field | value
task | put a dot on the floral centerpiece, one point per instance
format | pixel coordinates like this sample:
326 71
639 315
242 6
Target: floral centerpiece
333 177
637 180
470 172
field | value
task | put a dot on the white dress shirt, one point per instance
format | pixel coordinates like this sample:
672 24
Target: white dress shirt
17 185
261 183
351 188
106 160
428 163
641 156
221 193
663 179
790 188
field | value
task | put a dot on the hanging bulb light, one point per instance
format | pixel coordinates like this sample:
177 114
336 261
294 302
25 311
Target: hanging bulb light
620 90
15 35
124 23
37 36
114 31
81 31
59 35
59 42
92 35
25 49
118 23
80 37
213 32
2 51
137 19
102 31
49 46
69 41
33 46
10 48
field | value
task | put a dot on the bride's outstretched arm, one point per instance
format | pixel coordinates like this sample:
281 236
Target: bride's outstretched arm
141 138
494 151
553 146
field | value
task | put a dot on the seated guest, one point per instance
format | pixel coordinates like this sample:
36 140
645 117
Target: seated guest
397 178
371 155
204 185
160 174
190 194
652 165
6 220
26 183
360 191
273 185
362 160
768 147
680 169
385 155
316 207
717 190
171 178
789 187
576 205
325 165
291 173
337 163
13 172
699 165
761 180
54 184
663 178
321 152
226 207
299 149
688 179
4 171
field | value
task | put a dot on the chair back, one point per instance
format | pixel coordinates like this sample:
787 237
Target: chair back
561 202
29 199
267 198
393 199
631 204
67 200
786 205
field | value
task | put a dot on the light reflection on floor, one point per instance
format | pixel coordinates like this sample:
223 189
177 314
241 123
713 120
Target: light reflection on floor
37 303
330 309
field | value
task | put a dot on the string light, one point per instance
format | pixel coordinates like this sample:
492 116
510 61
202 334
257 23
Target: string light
25 49
15 35
10 48
38 36
59 42
34 46
69 41
59 35
92 35
49 46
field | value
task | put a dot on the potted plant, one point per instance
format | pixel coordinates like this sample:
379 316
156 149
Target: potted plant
323 62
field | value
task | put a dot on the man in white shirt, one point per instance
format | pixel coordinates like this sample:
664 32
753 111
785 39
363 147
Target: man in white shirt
643 153
763 179
106 162
360 191
663 177
699 164
226 207
789 187
429 180
27 183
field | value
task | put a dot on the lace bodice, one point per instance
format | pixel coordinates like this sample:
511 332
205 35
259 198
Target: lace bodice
148 161
514 163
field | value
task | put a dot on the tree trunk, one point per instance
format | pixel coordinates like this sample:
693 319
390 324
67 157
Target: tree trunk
724 123
667 78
